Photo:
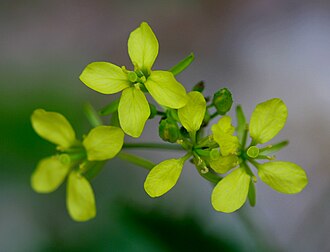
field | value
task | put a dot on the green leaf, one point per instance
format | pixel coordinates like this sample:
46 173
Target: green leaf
80 198
49 175
53 127
104 77
191 116
164 88
224 164
183 64
241 123
222 134
163 177
143 47
284 177
267 120
110 108
231 192
252 194
133 111
103 142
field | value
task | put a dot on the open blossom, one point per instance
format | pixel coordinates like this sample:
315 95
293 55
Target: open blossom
73 159
133 109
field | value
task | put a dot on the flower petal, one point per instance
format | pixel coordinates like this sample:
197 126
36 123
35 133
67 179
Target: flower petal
224 164
164 88
267 119
231 192
133 111
284 177
143 47
80 198
103 142
104 77
163 177
191 116
49 175
222 134
53 127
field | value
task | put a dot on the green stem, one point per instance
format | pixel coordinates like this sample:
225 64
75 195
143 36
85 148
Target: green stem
214 115
136 160
92 115
245 135
154 146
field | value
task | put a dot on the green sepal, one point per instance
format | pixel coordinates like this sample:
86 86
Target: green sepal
241 124
110 108
153 111
183 64
252 195
222 101
92 115
272 148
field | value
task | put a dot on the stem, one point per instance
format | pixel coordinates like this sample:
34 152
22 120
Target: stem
136 160
92 115
154 146
245 136
214 115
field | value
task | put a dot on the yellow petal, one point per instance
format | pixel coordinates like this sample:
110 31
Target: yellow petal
284 177
103 142
165 89
231 192
133 111
224 164
53 127
143 47
191 116
104 77
163 177
267 119
80 198
49 175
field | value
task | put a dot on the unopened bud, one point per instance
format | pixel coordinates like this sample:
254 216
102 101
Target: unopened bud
222 101
169 130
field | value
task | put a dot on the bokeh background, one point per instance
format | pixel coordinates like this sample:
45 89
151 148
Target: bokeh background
258 49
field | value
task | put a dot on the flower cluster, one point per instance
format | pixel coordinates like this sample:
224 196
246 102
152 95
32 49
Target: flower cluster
222 157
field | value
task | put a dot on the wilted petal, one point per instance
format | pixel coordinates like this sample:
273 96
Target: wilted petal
192 114
53 127
103 142
104 77
163 177
267 119
133 111
164 88
80 198
284 177
231 192
143 47
49 175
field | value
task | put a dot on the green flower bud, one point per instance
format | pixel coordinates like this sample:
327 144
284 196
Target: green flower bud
222 101
169 130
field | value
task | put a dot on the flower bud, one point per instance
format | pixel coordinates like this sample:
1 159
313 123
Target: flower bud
169 130
222 101
199 87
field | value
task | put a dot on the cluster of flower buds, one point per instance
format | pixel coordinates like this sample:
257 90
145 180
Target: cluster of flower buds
223 157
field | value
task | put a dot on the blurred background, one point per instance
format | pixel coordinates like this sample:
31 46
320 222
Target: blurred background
258 49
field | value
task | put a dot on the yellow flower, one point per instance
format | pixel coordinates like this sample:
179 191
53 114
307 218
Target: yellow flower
133 109
101 143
